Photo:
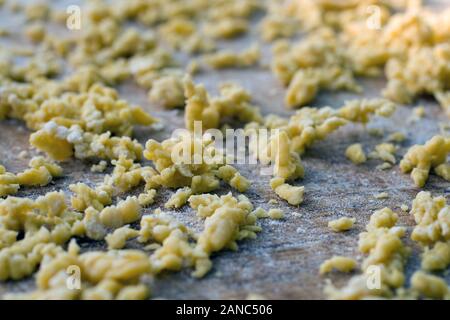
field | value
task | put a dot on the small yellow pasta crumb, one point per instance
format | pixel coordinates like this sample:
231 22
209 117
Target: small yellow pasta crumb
420 159
437 258
61 143
229 59
385 152
382 195
233 102
443 171
148 198
35 32
342 264
179 199
356 154
384 166
167 91
95 223
100 167
124 212
396 137
276 214
40 173
260 213
227 27
119 237
85 197
432 217
341 224
419 112
233 178
293 195
429 286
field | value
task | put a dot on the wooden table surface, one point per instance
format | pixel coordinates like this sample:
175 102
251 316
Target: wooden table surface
282 263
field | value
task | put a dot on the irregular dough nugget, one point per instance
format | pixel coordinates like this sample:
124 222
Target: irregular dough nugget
341 224
293 195
356 154
420 159
342 264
